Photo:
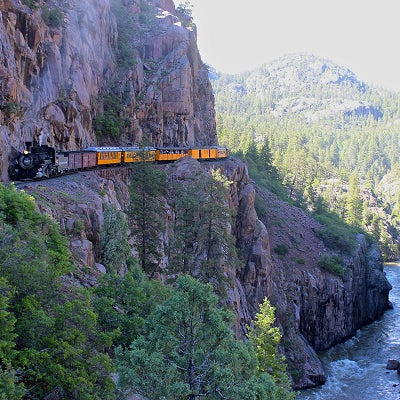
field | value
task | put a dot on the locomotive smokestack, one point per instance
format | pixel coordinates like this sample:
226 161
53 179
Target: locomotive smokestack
42 139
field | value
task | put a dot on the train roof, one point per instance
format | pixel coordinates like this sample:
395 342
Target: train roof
110 148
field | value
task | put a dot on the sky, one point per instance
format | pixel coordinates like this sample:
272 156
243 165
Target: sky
363 35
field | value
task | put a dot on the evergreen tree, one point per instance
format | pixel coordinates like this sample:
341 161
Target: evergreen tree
266 338
58 350
189 352
124 302
10 389
186 207
145 212
214 239
114 239
354 204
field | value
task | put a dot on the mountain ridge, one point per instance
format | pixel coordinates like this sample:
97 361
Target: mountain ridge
297 83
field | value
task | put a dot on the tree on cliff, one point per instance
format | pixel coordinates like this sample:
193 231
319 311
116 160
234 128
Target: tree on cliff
214 237
202 241
265 338
354 203
188 351
58 351
185 205
114 239
10 389
145 212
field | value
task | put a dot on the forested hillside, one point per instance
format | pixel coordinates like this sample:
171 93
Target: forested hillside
322 129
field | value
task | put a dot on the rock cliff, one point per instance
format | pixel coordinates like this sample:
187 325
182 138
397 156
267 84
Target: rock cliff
59 63
314 308
63 63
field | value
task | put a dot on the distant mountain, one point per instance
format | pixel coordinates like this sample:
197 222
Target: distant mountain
304 86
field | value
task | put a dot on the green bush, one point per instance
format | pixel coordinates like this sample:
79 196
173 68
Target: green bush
111 123
331 263
49 340
52 17
31 3
336 234
281 249
11 107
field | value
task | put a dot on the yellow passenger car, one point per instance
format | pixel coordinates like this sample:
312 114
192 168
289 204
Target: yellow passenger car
208 153
136 154
171 153
107 155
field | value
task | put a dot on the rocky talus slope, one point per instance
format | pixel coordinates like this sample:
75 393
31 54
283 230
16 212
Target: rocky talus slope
53 79
314 308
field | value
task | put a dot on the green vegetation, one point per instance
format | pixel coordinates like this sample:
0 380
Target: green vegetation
124 302
188 350
184 12
53 17
112 122
265 339
127 28
145 212
336 234
281 249
332 264
315 146
114 239
202 229
11 107
31 3
50 334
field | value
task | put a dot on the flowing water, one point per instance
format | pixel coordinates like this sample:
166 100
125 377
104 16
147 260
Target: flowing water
356 369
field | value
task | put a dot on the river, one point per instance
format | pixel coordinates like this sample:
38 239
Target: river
356 369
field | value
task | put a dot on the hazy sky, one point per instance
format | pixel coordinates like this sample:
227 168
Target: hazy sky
363 35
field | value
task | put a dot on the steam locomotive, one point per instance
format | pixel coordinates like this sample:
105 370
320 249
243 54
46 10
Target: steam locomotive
45 162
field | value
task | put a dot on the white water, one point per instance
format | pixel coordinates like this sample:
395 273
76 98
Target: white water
356 369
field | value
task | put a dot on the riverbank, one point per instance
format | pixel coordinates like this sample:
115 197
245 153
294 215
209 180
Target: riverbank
356 369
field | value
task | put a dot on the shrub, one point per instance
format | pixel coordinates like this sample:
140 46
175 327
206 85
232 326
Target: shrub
31 3
331 263
11 107
52 17
336 234
281 249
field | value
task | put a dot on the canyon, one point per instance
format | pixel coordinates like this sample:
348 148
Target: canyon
53 83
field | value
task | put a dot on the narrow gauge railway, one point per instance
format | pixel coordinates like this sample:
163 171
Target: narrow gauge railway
39 162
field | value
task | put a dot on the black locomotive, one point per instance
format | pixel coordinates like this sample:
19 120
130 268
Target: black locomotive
39 162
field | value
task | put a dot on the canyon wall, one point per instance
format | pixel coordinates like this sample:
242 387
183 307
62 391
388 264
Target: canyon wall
56 76
314 308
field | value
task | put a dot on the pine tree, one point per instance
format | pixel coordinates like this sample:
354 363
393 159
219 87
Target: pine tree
10 389
266 338
214 239
114 239
354 204
189 352
145 212
185 203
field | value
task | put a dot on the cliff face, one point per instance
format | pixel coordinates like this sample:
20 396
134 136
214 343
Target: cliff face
314 309
53 79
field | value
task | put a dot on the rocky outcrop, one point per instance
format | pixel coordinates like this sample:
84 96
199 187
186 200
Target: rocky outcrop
54 76
314 308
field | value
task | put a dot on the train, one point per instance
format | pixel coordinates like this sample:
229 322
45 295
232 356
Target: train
38 162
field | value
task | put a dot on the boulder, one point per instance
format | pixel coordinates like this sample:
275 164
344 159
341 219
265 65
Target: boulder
392 364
